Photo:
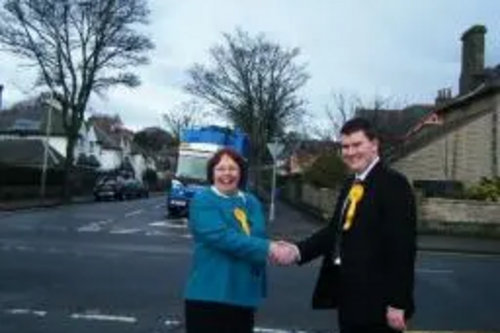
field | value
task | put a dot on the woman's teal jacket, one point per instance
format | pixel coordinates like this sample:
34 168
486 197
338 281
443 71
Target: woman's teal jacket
229 265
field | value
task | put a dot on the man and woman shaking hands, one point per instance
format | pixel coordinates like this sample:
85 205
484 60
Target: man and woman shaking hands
368 249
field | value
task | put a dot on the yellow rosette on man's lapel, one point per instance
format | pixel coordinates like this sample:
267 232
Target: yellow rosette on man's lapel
241 217
355 196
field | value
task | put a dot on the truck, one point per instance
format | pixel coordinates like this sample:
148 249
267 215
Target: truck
197 146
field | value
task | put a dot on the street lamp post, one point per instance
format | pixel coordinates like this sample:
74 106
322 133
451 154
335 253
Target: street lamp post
273 193
275 149
46 146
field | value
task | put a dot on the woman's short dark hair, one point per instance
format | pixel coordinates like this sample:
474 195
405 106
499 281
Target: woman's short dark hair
236 157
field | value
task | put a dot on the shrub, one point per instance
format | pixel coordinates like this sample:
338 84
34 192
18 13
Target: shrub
488 189
328 171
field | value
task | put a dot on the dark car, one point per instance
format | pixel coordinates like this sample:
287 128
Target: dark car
134 188
119 188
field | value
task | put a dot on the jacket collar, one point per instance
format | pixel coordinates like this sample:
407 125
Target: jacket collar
362 176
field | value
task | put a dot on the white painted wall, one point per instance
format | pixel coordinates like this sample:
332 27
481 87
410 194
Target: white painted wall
110 159
139 164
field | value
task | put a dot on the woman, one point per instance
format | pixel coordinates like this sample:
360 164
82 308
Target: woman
228 276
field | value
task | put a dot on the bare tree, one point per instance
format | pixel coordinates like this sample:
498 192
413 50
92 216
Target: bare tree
255 83
77 47
345 106
185 115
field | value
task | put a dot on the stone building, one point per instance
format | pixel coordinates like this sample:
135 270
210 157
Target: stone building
459 140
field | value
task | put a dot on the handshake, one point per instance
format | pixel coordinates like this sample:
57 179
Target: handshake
283 253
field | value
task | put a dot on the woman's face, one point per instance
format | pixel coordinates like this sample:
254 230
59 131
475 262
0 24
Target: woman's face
227 175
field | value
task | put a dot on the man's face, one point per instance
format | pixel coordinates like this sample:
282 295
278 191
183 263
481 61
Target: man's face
358 151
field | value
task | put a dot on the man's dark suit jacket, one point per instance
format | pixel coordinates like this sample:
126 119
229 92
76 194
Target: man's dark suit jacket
378 251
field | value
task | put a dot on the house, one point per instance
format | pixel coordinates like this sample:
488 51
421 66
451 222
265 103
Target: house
99 146
306 152
460 139
396 125
29 154
37 122
117 148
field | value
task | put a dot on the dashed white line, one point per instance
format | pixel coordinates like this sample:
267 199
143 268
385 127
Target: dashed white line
104 222
93 227
37 313
23 248
434 271
460 254
158 224
135 212
95 315
124 231
274 330
168 224
156 233
103 317
172 323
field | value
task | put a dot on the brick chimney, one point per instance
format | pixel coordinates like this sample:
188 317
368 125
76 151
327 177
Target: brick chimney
472 58
444 95
1 96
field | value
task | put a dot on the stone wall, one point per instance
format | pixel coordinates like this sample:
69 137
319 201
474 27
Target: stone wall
456 211
435 215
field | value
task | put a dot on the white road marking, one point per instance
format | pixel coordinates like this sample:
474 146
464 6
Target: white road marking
37 313
103 317
95 315
135 212
125 231
168 224
274 330
434 271
156 233
23 248
104 222
460 254
158 224
160 206
172 323
93 227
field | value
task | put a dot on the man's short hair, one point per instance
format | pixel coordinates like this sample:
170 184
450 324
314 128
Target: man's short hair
358 124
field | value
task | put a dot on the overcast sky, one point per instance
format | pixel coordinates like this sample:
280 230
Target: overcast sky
405 50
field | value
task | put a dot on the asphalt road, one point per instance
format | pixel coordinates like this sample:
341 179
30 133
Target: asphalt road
120 267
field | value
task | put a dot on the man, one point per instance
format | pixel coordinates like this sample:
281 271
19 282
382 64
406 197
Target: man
372 238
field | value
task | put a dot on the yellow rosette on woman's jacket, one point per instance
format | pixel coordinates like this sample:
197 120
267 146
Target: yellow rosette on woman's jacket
241 216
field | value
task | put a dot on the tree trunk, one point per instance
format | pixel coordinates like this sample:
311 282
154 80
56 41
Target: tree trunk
68 169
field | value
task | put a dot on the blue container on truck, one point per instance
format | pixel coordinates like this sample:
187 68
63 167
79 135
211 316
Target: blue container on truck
197 146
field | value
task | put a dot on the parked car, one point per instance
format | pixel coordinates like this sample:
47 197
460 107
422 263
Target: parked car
119 188
134 188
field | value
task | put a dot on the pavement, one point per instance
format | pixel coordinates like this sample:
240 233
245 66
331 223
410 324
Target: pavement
49 202
37 203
